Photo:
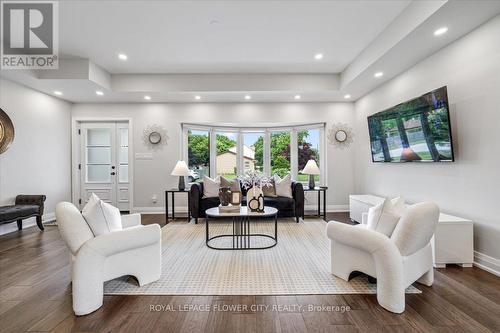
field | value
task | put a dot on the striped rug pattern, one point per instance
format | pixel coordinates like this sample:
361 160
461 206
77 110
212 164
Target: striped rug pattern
298 264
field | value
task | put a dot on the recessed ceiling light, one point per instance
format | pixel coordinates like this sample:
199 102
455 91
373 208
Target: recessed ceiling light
98 92
347 96
197 97
122 56
318 56
248 97
297 97
58 93
440 31
147 97
378 74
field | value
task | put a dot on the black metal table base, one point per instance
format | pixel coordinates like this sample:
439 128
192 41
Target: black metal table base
242 235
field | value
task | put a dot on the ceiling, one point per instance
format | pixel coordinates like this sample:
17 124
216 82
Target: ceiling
222 36
224 50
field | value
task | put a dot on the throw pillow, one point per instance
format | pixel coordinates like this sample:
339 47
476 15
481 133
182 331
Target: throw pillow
283 186
211 187
383 218
270 191
234 185
399 205
101 217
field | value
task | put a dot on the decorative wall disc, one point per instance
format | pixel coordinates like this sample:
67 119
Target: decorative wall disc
6 131
155 137
340 135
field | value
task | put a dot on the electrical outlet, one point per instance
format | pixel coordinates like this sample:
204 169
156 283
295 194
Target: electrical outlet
154 199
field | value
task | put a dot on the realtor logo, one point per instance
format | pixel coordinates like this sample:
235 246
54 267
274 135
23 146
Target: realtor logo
29 35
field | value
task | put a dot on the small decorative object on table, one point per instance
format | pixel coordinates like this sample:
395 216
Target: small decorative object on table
229 208
311 169
256 204
225 196
236 198
255 196
181 170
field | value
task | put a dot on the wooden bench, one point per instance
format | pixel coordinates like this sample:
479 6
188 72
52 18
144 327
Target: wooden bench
26 206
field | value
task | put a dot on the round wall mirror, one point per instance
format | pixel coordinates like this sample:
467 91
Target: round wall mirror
340 136
154 138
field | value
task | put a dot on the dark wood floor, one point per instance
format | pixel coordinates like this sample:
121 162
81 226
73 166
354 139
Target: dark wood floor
35 296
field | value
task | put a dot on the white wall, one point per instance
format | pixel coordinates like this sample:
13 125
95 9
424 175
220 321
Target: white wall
469 187
152 177
38 161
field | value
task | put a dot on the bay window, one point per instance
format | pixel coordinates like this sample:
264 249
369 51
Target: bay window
231 151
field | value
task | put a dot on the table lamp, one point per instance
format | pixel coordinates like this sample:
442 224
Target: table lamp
181 170
311 169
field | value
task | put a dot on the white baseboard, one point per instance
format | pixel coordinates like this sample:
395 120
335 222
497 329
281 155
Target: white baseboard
183 209
11 227
329 208
487 263
156 210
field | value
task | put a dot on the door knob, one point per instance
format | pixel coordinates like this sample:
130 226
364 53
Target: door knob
113 173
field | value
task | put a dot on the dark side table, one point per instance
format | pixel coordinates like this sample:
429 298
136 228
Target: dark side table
319 189
172 192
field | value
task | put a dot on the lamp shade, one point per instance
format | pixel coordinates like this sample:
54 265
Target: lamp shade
181 169
311 168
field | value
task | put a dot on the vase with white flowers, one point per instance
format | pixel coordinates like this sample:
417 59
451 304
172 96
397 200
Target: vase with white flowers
253 181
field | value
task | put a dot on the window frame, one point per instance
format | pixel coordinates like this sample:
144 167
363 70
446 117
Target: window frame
266 131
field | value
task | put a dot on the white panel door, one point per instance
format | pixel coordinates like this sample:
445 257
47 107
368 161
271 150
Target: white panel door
104 163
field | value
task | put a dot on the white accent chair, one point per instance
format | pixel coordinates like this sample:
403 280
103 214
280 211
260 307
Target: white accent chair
395 262
135 250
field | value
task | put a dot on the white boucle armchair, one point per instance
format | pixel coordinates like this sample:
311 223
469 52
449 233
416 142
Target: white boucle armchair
135 250
395 262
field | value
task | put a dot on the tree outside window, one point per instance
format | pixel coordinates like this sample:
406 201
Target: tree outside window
228 159
198 155
280 153
308 149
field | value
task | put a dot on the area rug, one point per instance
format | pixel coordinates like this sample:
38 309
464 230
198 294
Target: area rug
298 264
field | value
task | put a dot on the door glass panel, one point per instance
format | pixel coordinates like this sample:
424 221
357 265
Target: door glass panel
98 155
99 137
123 173
124 137
123 156
98 174
226 154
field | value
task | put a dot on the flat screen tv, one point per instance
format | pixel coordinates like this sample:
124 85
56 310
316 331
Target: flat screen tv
414 131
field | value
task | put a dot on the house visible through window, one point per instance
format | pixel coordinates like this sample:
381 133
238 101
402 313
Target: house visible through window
232 151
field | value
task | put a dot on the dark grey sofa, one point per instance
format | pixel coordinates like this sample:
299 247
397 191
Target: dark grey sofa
287 207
